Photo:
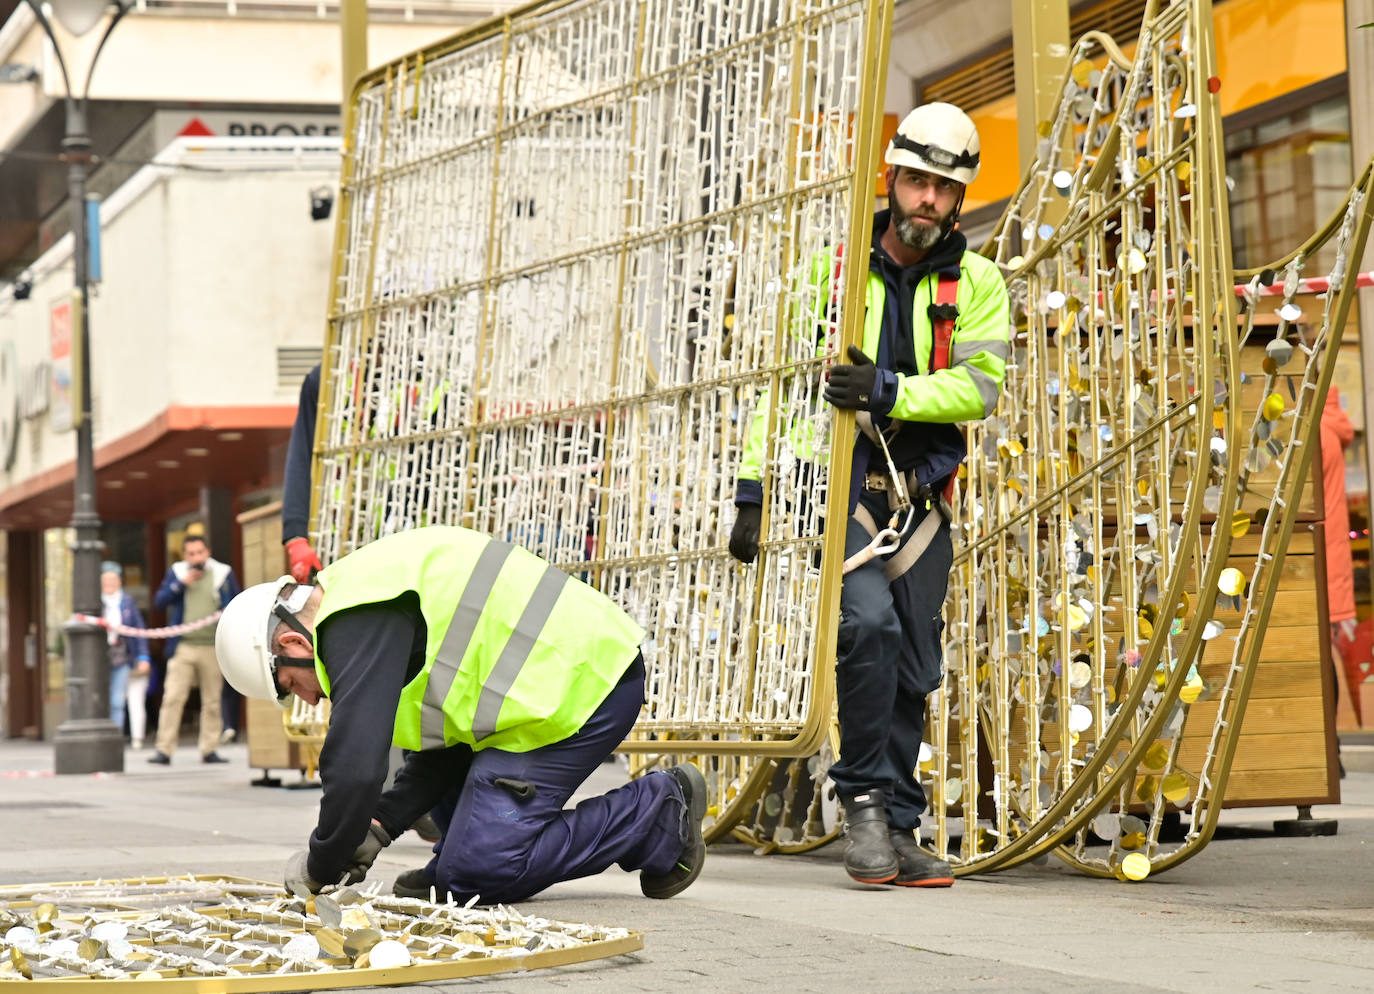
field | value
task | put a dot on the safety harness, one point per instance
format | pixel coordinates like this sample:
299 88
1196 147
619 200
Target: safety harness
943 315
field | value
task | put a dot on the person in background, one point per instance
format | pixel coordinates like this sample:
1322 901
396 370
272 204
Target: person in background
130 664
295 501
1336 433
1348 650
193 589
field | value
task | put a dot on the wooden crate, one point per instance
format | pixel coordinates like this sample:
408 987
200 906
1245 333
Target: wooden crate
264 559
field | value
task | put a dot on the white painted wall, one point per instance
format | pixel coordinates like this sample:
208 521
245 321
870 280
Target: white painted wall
205 275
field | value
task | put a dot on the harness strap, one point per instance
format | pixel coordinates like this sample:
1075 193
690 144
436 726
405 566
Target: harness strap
866 521
911 553
942 326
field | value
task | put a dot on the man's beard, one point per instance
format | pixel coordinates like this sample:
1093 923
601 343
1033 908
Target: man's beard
913 234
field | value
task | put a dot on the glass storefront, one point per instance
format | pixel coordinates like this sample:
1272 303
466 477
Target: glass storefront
57 608
1289 173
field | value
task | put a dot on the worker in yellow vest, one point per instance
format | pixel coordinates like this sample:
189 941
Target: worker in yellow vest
504 676
936 342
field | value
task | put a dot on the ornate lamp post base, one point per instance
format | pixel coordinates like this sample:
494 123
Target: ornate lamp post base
88 745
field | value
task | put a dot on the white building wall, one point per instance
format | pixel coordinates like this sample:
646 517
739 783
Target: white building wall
206 273
247 271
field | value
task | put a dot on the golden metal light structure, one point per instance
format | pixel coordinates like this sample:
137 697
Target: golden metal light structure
575 368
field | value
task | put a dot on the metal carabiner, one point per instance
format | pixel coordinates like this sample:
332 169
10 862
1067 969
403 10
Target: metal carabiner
886 541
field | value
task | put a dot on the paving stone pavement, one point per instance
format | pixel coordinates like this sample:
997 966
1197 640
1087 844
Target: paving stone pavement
1253 912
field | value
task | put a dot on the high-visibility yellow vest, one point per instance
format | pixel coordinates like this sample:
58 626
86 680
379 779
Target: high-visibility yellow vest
518 654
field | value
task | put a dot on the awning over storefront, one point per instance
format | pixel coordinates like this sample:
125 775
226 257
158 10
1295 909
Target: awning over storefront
160 466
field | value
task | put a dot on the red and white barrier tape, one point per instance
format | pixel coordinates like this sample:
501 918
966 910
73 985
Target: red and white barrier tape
1313 284
171 631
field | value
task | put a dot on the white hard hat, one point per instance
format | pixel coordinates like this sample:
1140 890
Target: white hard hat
938 138
243 640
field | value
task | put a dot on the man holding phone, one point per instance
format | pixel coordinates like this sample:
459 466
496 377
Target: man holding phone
195 588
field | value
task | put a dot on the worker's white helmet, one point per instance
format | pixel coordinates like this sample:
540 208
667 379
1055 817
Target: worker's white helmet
938 138
243 640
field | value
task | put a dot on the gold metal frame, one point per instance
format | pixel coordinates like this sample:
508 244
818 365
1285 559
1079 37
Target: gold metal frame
241 900
815 75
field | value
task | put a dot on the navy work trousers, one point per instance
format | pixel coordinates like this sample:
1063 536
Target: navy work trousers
888 659
504 848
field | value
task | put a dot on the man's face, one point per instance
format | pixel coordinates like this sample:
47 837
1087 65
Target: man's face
109 583
922 204
302 681
195 554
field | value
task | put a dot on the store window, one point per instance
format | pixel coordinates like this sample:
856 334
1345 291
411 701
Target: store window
57 608
1289 173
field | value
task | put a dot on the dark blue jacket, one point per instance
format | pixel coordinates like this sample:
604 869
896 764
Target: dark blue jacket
171 596
295 498
131 617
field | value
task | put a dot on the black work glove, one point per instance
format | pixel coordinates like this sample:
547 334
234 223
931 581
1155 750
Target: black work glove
744 536
852 386
365 855
297 879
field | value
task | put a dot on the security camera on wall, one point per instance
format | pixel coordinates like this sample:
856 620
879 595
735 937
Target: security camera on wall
321 202
23 285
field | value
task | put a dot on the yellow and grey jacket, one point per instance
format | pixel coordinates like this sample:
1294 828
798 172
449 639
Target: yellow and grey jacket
922 403
518 654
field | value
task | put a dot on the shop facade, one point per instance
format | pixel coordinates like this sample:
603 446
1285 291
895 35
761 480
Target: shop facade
206 316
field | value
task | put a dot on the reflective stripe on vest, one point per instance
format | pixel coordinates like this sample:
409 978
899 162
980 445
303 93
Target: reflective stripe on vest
516 650
459 636
456 640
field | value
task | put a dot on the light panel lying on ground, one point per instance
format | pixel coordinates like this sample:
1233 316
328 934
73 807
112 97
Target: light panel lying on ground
193 934
575 247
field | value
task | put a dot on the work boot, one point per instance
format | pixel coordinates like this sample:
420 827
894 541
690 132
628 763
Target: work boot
414 883
689 863
869 857
916 867
426 828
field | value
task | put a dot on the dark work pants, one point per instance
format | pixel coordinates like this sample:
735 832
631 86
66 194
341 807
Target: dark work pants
503 848
888 659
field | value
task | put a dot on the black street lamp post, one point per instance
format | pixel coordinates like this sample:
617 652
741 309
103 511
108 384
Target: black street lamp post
88 741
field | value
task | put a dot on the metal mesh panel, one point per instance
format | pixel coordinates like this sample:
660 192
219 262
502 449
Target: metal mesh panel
1095 596
180 935
575 251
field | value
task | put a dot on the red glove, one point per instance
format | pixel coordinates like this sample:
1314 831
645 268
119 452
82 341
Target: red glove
303 559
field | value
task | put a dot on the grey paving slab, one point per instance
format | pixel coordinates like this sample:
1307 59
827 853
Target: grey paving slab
1251 913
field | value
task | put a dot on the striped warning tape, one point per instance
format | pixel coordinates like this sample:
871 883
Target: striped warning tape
171 631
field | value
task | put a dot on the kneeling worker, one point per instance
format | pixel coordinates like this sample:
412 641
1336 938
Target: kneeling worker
504 675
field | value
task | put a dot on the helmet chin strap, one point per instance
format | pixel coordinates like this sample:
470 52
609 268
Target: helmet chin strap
953 224
283 613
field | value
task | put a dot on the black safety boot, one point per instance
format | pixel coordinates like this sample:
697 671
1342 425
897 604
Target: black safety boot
688 867
426 828
869 858
915 866
414 883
